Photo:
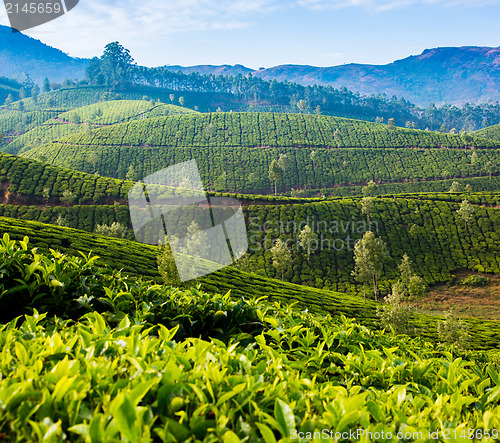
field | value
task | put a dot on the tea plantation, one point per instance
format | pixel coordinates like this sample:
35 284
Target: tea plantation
234 151
151 363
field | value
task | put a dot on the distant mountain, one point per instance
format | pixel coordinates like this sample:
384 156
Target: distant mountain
20 53
440 75
211 69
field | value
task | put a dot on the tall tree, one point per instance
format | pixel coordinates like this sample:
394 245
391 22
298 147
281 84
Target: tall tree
373 250
306 237
282 257
466 211
275 173
367 206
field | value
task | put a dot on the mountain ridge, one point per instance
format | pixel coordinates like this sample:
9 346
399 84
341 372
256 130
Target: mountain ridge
451 75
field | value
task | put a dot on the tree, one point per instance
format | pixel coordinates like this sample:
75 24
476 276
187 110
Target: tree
166 264
61 221
455 187
46 195
282 162
453 331
312 156
395 313
363 268
337 138
9 100
116 230
196 243
46 85
466 211
474 158
93 159
445 174
468 188
302 105
35 92
369 189
417 288
442 128
466 138
317 111
282 257
367 206
275 173
131 175
392 124
306 237
374 252
172 98
490 168
68 197
182 101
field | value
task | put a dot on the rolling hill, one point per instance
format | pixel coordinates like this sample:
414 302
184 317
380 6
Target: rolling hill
453 75
88 117
20 53
137 259
491 133
234 150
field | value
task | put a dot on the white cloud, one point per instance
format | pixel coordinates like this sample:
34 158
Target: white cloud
91 24
385 5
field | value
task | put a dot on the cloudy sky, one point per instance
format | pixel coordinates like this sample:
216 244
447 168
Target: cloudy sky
264 33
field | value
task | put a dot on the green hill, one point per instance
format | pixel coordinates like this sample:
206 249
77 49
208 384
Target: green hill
89 117
234 151
138 259
491 133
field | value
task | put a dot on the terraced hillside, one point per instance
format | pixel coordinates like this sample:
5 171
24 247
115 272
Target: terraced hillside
87 118
140 259
21 116
234 151
491 133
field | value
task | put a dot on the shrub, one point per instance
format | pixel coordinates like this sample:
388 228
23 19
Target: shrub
475 280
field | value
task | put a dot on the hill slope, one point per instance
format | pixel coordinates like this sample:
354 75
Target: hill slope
20 53
454 75
141 260
92 116
234 150
491 133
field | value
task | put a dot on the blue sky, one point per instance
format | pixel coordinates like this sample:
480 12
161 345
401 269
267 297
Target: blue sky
271 32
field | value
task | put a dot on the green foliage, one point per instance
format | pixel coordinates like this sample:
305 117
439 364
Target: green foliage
453 330
166 265
282 257
387 156
95 381
116 230
475 280
395 313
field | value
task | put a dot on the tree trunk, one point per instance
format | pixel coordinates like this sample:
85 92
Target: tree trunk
375 286
275 189
364 292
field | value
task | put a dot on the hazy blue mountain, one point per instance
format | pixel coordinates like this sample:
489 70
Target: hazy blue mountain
20 53
439 75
